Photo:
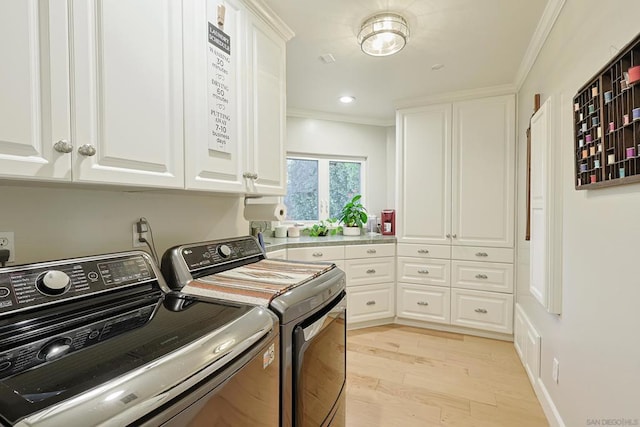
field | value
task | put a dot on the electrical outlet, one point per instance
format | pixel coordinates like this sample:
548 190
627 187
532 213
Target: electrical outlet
555 370
136 237
7 242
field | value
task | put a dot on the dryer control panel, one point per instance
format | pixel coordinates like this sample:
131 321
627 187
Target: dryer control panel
47 283
208 254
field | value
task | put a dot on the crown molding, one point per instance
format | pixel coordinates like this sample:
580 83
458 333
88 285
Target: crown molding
333 117
545 25
463 95
274 21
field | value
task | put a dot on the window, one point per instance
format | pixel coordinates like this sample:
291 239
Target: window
318 188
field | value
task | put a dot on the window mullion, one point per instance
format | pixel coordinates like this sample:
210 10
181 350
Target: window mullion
323 187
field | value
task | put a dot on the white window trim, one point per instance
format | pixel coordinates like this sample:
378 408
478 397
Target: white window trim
323 181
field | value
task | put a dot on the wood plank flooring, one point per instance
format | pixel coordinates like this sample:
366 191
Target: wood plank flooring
404 376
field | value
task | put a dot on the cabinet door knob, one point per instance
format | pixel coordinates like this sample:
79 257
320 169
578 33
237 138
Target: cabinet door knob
254 176
371 251
317 254
87 150
371 271
371 303
247 175
455 236
423 271
448 236
481 276
63 146
422 303
423 251
480 310
482 254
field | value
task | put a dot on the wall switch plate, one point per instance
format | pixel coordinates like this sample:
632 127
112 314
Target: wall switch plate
554 370
136 237
7 241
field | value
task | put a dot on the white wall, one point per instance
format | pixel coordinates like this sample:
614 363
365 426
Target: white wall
55 222
596 339
324 137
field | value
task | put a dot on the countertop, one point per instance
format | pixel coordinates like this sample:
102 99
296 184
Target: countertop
274 244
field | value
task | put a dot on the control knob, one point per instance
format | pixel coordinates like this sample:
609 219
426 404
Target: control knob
224 251
53 282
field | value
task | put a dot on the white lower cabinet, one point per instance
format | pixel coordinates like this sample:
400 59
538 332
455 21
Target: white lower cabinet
370 302
482 310
366 271
316 253
419 302
456 286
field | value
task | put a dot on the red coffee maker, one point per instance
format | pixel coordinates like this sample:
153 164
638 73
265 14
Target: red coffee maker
388 222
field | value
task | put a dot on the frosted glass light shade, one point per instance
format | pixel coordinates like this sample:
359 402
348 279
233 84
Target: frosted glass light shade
383 34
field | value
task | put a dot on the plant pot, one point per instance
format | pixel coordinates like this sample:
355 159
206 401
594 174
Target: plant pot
351 231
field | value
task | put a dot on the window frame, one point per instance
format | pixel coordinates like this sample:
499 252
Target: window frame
323 181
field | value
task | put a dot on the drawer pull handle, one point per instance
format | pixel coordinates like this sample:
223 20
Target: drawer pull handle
481 276
423 251
481 310
422 303
371 303
423 271
371 271
317 254
482 254
371 251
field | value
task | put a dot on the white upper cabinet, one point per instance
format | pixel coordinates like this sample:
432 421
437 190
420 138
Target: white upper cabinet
483 182
206 167
424 165
456 166
241 101
127 92
107 111
267 109
34 91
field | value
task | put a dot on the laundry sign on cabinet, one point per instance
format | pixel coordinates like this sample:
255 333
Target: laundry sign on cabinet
221 77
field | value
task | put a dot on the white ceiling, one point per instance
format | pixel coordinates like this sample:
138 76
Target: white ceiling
480 42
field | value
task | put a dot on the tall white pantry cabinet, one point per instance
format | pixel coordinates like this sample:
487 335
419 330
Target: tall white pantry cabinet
455 225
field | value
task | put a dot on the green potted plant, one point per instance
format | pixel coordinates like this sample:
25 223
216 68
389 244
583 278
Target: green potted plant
353 216
323 228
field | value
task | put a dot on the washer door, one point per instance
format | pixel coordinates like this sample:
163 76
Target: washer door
320 364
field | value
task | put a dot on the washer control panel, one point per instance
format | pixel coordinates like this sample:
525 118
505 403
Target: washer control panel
34 353
51 282
209 254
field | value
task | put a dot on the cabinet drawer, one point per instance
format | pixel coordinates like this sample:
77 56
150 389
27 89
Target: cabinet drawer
483 276
370 302
482 310
434 272
369 251
423 302
318 253
424 251
367 271
478 253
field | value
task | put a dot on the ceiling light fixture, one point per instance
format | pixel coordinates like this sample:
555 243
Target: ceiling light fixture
383 34
347 99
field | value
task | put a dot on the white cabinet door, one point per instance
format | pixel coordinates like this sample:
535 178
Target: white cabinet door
206 168
267 109
34 90
482 310
424 165
127 92
370 302
483 179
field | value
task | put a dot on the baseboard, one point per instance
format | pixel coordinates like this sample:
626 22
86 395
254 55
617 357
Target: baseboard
549 408
455 329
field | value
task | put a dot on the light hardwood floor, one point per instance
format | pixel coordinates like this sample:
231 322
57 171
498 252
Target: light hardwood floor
403 376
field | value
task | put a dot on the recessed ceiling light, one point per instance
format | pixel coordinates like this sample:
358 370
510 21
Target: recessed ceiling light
347 99
436 67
